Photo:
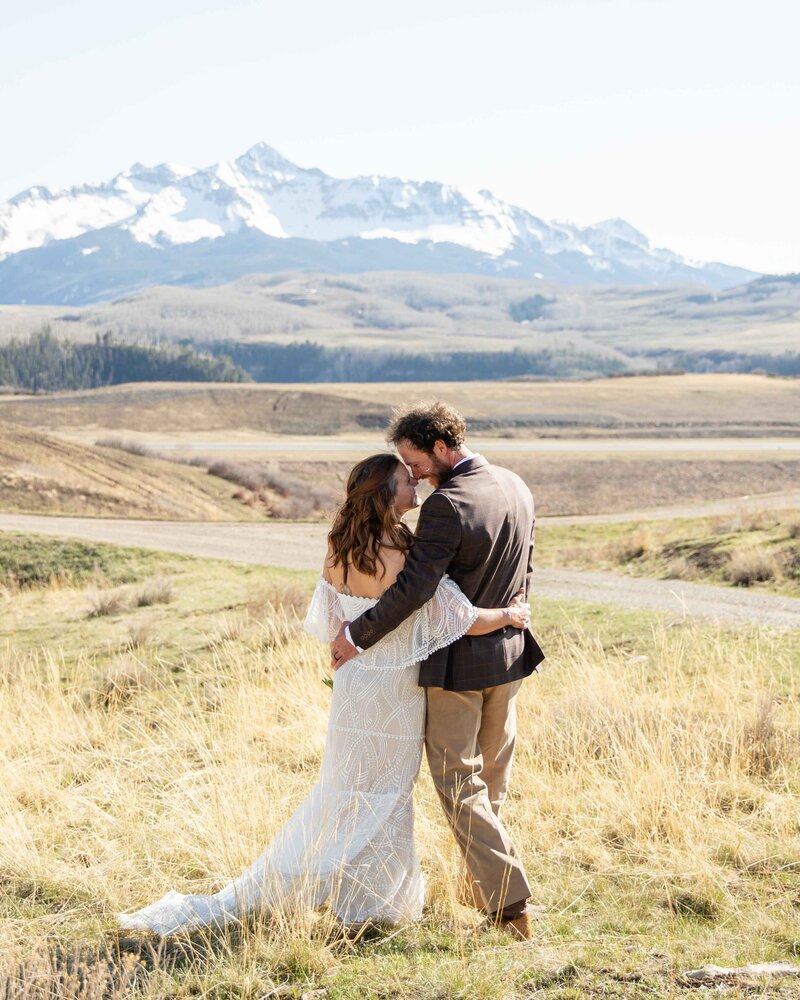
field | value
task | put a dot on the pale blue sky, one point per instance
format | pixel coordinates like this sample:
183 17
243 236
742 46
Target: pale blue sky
681 117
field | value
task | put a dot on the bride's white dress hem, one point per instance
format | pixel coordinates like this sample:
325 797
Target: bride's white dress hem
351 840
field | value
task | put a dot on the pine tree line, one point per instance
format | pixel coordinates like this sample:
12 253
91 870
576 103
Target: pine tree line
312 362
42 363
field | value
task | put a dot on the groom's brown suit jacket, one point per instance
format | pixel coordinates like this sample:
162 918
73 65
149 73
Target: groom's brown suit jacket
478 528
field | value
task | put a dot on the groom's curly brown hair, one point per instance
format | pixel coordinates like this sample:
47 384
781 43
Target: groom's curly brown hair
424 424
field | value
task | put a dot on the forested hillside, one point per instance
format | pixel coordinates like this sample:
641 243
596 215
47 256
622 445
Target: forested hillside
42 362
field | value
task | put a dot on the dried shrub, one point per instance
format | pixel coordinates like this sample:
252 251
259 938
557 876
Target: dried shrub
293 507
158 590
724 524
580 554
123 444
230 628
703 557
743 521
680 568
107 602
763 743
102 973
693 904
280 494
629 547
756 520
793 527
117 683
250 475
287 599
789 561
143 450
278 631
751 565
140 632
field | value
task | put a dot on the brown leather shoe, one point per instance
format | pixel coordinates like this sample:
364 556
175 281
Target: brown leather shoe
520 928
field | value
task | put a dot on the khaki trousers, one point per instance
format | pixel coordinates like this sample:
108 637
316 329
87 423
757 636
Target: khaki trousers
469 739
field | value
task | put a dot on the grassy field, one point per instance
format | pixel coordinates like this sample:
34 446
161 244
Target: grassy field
45 474
161 716
667 406
590 447
758 549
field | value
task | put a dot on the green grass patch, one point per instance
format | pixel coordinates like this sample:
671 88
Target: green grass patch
760 550
30 561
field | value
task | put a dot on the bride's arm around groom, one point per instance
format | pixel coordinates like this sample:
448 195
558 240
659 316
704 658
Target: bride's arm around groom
477 527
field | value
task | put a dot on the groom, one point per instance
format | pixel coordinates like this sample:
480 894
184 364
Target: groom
477 526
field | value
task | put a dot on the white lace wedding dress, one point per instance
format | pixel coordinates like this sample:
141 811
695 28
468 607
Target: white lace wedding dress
350 841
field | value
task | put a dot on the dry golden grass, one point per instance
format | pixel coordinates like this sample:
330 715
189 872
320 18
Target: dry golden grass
654 799
55 476
41 473
107 602
605 484
752 565
646 405
164 408
673 406
158 590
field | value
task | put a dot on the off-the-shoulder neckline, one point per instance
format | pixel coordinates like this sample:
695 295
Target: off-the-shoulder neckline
339 593
355 597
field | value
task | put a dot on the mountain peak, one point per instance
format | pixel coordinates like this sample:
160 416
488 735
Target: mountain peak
264 158
159 175
260 200
623 230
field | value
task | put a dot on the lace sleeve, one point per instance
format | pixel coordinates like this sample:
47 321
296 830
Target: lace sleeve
324 616
447 616
444 618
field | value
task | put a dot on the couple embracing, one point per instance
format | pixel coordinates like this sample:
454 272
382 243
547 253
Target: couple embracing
430 642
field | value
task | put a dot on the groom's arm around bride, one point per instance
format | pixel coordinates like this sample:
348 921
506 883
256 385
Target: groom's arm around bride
477 527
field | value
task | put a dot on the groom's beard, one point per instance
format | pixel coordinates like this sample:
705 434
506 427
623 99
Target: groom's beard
439 474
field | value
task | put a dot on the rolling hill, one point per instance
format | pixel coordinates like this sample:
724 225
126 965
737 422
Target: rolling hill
40 473
423 313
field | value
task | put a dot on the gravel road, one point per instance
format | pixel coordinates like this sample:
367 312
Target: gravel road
301 546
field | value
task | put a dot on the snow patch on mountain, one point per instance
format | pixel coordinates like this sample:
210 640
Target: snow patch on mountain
40 215
168 206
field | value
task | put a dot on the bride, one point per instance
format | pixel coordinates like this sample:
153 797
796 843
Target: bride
350 841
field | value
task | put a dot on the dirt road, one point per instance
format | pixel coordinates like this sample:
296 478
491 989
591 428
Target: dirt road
301 546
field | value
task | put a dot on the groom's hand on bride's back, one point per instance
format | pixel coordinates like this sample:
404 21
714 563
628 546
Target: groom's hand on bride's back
341 649
519 611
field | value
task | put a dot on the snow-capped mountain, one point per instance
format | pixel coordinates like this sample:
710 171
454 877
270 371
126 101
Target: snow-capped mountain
260 212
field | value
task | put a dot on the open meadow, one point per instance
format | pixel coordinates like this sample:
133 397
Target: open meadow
583 447
668 406
161 715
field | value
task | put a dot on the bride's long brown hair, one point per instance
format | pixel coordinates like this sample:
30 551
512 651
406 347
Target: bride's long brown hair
366 521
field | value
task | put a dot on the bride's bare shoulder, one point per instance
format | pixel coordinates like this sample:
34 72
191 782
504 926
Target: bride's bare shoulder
393 560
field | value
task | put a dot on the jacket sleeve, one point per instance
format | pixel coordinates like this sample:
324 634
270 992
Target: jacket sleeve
529 573
437 541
